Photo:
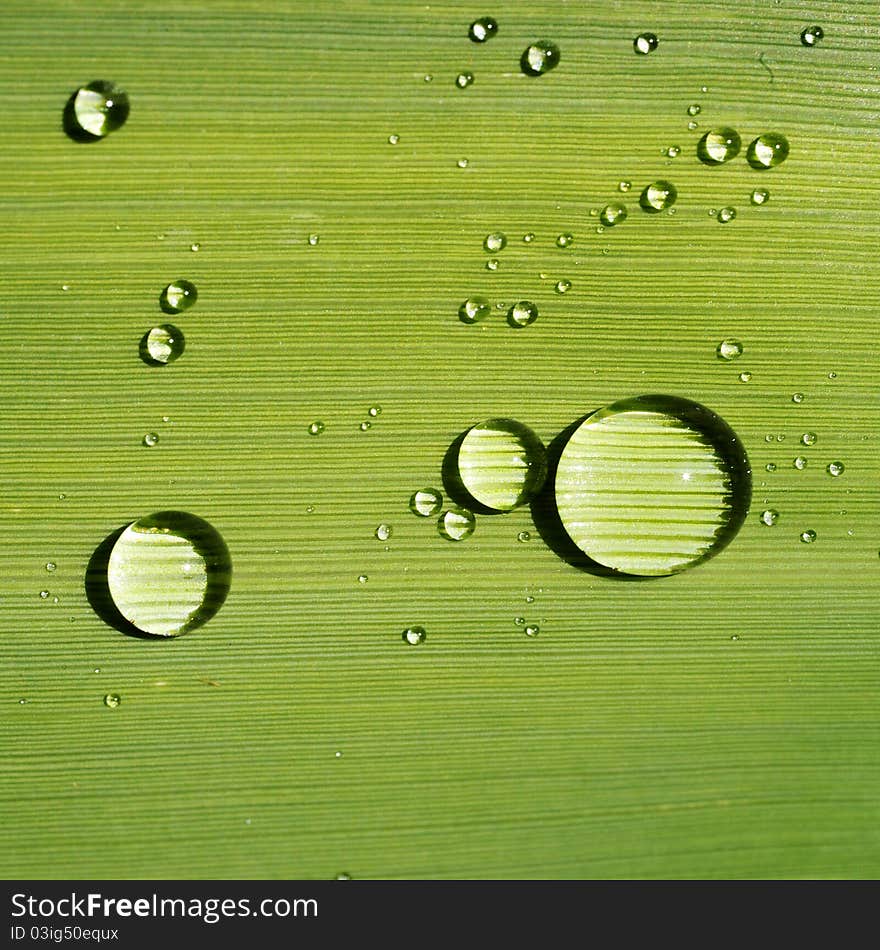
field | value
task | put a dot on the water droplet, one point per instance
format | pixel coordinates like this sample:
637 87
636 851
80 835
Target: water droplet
337 754
734 637
811 35
645 43
65 287
178 296
374 411
797 398
718 146
832 375
760 196
169 573
310 509
769 516
563 286
564 240
362 578
316 427
612 214
492 263
44 594
530 599
652 485
483 29
56 600
151 439
658 196
694 109
494 242
501 464
415 635
166 418
768 150
112 700
532 630
809 438
314 239
522 314
429 77
519 621
780 438
51 566
463 80
393 139
729 350
474 309
808 536
673 151
365 425
462 163
770 466
456 524
800 463
539 58
726 215
195 247
343 876
96 110
745 376
523 537
384 531
528 238
426 502
836 468
162 345
97 669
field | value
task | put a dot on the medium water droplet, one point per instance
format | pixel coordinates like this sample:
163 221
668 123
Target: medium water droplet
393 139
316 427
528 238
169 573
694 109
564 240
384 531
809 438
463 80
726 215
745 376
532 630
522 314
474 309
96 110
645 43
658 196
811 35
51 566
523 537
652 485
456 524
151 439
314 239
797 398
112 700
162 345
729 350
539 58
612 214
836 468
718 146
623 186
494 242
800 463
415 635
563 286
760 196
769 516
768 150
501 464
178 296
808 536
483 29
426 502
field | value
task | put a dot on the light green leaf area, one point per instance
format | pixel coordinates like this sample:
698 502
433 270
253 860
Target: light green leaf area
722 722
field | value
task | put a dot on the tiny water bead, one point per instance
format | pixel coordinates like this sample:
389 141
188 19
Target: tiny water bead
463 80
195 248
44 594
836 468
808 536
645 43
528 237
456 524
658 196
613 214
494 242
564 240
624 186
519 621
97 109
162 345
811 35
760 196
482 29
729 350
384 531
474 309
745 376
51 567
501 464
374 411
363 578
718 146
316 427
768 150
492 263
151 439
769 517
393 139
169 573
800 463
314 239
426 502
522 314
539 58
797 398
532 630
726 215
524 537
694 109
365 425
673 151
112 700
770 467
178 296
563 286
415 635
692 125
809 438
462 163
652 485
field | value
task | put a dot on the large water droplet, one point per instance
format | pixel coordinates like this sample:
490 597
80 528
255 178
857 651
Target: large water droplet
474 309
658 196
96 110
415 635
426 502
162 345
168 573
501 464
522 314
718 146
456 524
178 296
539 58
645 43
652 485
768 150
483 29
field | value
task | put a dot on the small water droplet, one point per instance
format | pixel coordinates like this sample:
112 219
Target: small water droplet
316 427
97 669
112 700
780 438
456 524
494 242
729 350
429 77
474 309
96 110
426 502
415 635
694 109
151 439
808 536
532 630
384 531
522 314
528 237
623 186
524 536
692 125
673 151
645 43
564 240
492 263
337 754
56 600
809 438
393 139
374 411
44 594
463 80
811 35
178 296
22 702
365 425
162 345
314 239
343 876
832 375
519 621
770 466
310 509
734 637
768 150
760 196
65 287
462 163
540 57
563 286
51 566
836 468
530 599
800 463
483 29
726 215
195 247
718 146
797 398
613 214
769 516
362 578
658 196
